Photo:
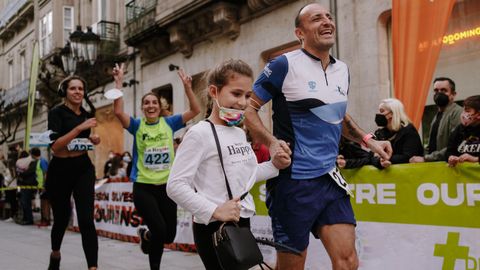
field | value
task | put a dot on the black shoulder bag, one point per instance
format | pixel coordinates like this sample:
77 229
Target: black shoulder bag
235 246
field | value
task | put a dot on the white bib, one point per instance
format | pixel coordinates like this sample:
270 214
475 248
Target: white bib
157 158
337 176
80 144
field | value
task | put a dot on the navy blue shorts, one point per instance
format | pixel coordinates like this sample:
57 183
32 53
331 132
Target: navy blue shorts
298 207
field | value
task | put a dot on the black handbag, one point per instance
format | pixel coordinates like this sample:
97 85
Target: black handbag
235 246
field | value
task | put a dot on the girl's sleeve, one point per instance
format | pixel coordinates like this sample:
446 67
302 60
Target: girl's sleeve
180 185
266 170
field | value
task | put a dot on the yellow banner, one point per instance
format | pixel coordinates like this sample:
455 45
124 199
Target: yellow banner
31 94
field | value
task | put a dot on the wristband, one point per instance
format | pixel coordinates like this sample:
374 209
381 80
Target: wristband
367 137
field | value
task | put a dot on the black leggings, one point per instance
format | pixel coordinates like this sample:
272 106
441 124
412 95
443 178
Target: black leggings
159 213
202 235
66 176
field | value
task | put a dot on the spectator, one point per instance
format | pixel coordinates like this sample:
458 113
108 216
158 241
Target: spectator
351 155
108 163
464 143
127 162
26 178
398 129
117 169
3 171
446 119
41 173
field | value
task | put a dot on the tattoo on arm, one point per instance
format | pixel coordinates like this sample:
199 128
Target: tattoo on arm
351 130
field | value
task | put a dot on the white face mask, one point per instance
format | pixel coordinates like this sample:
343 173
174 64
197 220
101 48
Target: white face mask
127 159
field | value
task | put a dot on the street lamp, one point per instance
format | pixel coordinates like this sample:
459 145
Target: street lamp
81 48
69 62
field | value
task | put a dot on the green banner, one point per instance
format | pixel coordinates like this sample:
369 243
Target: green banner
421 193
31 94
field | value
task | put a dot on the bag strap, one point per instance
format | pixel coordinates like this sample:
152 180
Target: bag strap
230 196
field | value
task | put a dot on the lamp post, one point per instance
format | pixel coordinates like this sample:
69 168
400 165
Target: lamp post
81 48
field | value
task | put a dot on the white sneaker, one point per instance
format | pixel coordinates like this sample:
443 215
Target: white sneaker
9 220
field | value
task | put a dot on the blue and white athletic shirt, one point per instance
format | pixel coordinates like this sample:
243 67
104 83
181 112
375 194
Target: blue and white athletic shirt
309 105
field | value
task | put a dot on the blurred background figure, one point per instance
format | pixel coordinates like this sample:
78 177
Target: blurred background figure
352 155
117 169
396 127
446 119
26 178
127 162
464 143
41 174
108 163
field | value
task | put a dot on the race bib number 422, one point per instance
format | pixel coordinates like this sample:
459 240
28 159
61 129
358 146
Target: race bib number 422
157 158
80 144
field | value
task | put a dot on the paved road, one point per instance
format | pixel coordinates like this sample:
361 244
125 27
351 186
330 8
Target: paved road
28 248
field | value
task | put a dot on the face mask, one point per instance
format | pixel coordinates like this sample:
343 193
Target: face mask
381 120
126 159
441 99
232 117
467 119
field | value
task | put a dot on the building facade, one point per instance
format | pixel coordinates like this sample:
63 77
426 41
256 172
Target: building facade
152 35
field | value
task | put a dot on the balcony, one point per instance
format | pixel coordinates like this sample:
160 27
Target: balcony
109 33
140 19
15 95
15 17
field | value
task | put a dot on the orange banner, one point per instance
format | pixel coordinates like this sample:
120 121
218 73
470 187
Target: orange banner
418 27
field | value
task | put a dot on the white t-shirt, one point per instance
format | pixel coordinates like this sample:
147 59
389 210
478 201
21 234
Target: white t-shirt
197 167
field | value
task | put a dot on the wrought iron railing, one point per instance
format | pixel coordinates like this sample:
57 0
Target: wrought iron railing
108 30
137 8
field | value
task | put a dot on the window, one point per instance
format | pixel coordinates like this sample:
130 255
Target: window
67 22
23 66
46 34
10 74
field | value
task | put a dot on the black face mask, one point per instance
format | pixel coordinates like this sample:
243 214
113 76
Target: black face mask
441 99
381 120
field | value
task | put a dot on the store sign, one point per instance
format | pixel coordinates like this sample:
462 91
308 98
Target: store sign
455 37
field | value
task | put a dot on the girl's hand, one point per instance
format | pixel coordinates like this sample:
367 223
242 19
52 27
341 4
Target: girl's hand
467 158
186 79
452 161
229 211
89 123
118 74
95 139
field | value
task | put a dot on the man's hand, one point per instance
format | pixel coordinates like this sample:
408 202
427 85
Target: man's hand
385 163
118 74
416 159
229 211
280 153
382 148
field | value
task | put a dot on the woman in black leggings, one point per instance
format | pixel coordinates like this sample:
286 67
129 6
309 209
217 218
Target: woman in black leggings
70 170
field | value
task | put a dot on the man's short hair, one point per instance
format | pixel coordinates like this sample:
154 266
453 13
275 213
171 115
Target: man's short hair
35 152
450 82
472 102
298 21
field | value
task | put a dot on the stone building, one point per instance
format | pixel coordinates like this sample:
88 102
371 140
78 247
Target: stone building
152 35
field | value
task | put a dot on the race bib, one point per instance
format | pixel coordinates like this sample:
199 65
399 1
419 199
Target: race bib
80 144
337 176
157 158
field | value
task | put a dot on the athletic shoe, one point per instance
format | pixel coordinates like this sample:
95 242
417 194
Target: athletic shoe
144 243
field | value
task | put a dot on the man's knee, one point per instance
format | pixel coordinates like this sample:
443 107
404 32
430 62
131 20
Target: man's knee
346 261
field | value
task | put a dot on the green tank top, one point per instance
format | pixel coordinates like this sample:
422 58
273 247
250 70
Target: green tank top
155 152
39 174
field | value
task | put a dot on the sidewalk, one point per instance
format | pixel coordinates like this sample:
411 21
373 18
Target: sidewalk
28 247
